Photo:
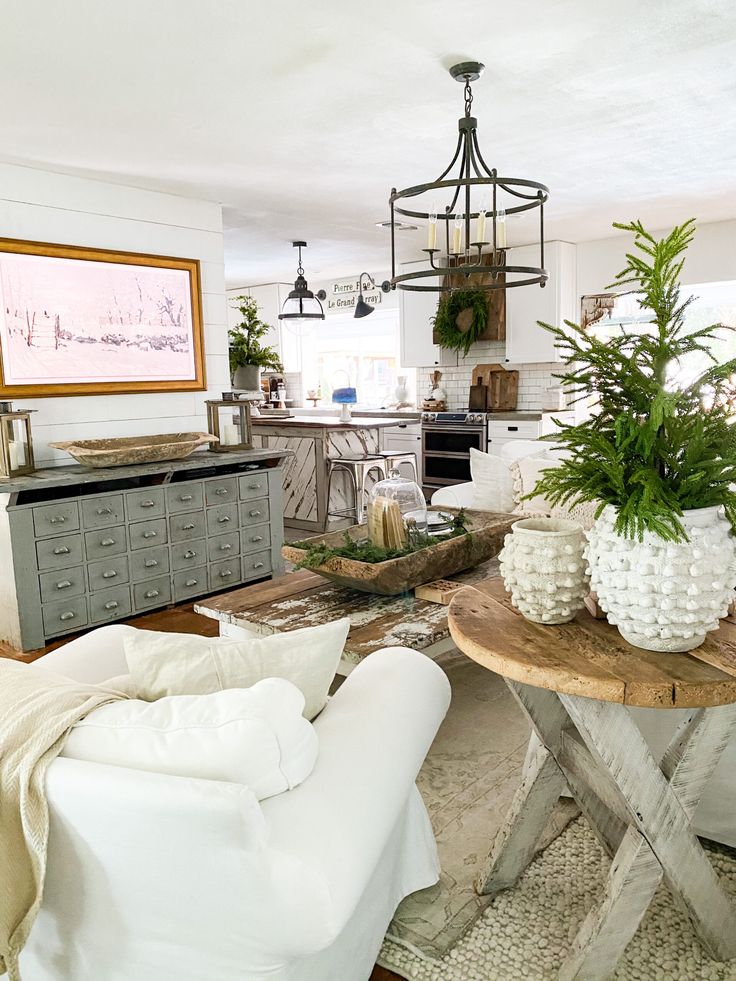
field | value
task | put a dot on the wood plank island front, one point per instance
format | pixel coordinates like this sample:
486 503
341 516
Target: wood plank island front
313 440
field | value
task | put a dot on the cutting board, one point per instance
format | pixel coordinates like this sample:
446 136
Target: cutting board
502 386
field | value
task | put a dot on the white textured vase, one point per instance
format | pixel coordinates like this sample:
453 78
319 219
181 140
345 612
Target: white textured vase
544 569
664 596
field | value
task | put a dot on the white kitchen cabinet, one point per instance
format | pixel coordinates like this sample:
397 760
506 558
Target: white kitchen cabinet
526 341
270 299
416 311
404 437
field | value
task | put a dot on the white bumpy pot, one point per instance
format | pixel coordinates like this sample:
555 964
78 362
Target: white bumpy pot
543 568
664 596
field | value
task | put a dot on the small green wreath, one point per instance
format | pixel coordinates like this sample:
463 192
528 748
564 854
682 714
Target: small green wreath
473 306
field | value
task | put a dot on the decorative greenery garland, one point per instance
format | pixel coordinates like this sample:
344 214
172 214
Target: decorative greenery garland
318 553
451 304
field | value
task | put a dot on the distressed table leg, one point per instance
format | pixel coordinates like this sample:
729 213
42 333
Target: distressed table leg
654 806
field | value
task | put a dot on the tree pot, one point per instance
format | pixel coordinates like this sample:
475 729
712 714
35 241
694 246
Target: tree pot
247 377
664 596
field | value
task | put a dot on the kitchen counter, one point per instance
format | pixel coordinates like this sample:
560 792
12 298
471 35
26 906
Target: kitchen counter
323 422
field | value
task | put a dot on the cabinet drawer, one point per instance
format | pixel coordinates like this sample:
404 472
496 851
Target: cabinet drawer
55 585
221 490
101 512
108 541
108 572
224 573
223 546
256 565
110 604
145 503
155 592
146 533
185 527
190 582
58 553
149 563
513 430
254 512
187 554
185 497
64 616
255 538
52 519
222 518
253 485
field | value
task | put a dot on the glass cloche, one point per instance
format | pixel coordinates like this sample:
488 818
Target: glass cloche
397 512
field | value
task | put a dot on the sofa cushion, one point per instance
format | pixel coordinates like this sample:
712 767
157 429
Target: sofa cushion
257 737
493 485
186 664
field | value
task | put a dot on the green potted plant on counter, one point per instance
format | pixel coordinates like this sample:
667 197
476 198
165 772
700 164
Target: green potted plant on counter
658 455
247 353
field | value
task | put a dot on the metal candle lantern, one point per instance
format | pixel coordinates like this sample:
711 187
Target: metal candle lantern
230 422
16 444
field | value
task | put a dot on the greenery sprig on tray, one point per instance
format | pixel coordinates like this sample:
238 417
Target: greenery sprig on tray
652 448
318 553
450 305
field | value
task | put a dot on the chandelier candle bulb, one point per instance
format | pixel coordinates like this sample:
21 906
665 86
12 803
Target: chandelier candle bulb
480 232
432 232
501 230
457 236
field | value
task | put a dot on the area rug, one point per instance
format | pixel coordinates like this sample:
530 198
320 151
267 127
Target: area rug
526 931
468 780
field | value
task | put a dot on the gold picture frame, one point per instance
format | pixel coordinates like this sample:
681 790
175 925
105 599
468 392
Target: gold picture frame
58 321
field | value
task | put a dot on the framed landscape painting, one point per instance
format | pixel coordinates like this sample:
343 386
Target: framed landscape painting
79 321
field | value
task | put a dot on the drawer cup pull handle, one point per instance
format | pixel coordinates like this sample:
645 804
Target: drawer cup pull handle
189 527
64 584
151 594
102 511
112 605
61 550
67 616
221 491
254 486
258 565
225 574
185 497
225 548
223 520
107 542
190 554
110 574
148 504
257 538
150 534
151 563
254 514
58 519
191 582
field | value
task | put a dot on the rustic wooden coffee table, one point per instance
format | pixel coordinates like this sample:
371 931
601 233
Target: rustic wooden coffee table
574 682
304 599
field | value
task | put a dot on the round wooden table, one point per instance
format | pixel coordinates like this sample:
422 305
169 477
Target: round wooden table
574 682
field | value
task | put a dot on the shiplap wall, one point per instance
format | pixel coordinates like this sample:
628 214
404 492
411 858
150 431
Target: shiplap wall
50 207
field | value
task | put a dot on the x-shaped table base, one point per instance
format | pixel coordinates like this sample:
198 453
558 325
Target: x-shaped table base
639 809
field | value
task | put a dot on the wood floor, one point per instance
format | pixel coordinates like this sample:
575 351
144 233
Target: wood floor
177 619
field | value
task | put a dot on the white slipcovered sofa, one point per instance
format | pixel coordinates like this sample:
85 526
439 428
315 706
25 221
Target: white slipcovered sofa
163 878
715 817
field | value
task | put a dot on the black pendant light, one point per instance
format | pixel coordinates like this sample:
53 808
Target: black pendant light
302 305
466 232
362 309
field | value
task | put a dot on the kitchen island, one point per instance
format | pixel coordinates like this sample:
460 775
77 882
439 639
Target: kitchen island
313 440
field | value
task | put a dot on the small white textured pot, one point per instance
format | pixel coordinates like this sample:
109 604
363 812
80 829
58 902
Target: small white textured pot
664 596
543 567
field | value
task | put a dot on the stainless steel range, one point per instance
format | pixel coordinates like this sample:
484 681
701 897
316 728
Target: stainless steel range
447 438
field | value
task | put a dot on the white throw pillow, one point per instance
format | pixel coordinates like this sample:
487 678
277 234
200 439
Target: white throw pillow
187 664
255 736
493 485
524 474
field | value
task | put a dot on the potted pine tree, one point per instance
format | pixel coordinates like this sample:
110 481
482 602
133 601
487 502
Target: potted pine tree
659 457
247 354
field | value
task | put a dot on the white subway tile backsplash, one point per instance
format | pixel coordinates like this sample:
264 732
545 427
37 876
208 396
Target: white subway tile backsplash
534 379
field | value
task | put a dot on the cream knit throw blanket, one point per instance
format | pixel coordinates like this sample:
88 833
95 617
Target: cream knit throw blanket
37 710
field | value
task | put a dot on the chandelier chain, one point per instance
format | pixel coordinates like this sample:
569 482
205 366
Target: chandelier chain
468 97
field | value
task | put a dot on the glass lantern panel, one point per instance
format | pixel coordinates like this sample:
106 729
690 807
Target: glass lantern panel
229 424
15 435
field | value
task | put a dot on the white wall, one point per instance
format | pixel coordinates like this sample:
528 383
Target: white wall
49 207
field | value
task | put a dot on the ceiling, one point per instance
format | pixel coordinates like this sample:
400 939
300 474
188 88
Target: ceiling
300 117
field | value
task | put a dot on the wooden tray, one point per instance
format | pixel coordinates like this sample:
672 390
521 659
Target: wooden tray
126 450
487 531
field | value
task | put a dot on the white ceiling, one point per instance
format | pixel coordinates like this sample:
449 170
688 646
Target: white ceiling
300 117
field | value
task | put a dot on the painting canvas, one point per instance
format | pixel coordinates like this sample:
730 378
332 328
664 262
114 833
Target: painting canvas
80 321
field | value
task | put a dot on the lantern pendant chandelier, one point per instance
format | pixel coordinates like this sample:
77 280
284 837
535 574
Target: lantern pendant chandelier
474 219
301 305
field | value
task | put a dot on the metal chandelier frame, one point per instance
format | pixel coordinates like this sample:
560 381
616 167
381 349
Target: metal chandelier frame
473 172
